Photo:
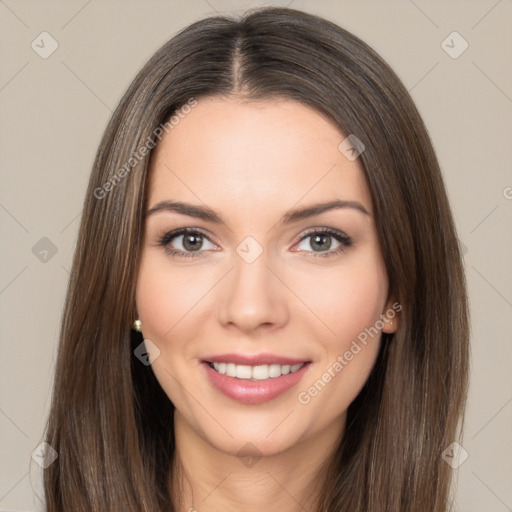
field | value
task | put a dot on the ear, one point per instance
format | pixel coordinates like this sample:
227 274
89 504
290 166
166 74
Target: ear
391 316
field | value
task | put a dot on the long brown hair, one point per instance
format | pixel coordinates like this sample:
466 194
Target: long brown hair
110 421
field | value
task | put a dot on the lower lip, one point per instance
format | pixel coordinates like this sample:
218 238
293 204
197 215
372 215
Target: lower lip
254 392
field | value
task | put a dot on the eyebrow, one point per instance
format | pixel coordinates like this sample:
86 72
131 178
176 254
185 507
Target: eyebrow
207 214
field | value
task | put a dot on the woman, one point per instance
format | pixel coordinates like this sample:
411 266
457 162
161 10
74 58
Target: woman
267 307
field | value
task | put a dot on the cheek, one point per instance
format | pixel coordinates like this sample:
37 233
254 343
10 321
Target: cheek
167 304
165 297
347 300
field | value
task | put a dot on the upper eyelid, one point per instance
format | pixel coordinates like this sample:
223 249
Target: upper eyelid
183 231
325 229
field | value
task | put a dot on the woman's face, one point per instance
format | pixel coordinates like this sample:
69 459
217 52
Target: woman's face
256 286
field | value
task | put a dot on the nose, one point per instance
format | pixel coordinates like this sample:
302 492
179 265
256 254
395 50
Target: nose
252 297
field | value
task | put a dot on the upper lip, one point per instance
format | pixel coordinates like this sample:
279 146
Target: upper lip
254 359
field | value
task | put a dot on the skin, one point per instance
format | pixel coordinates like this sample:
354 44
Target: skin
252 162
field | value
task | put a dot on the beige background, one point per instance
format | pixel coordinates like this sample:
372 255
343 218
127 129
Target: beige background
53 112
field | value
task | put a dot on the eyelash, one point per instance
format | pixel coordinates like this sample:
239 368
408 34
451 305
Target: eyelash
344 240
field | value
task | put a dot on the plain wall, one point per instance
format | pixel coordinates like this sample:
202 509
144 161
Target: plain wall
53 113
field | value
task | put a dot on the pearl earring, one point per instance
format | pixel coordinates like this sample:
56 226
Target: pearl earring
137 325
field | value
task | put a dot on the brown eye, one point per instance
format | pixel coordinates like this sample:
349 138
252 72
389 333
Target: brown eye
185 242
192 242
320 242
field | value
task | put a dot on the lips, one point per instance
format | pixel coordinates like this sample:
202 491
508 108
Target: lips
254 389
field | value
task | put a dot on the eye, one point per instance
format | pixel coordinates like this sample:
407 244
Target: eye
190 242
185 242
320 242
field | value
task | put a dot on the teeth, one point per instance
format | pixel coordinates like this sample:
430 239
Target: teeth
274 370
243 372
261 372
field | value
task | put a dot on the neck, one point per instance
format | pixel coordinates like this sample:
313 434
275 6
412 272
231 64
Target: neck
205 478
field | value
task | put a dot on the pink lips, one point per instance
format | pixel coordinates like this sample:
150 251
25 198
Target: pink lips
249 391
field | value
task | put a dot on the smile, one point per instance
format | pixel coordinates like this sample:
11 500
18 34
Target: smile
260 372
266 378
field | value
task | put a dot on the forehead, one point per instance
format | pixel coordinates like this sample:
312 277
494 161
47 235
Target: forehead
254 155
